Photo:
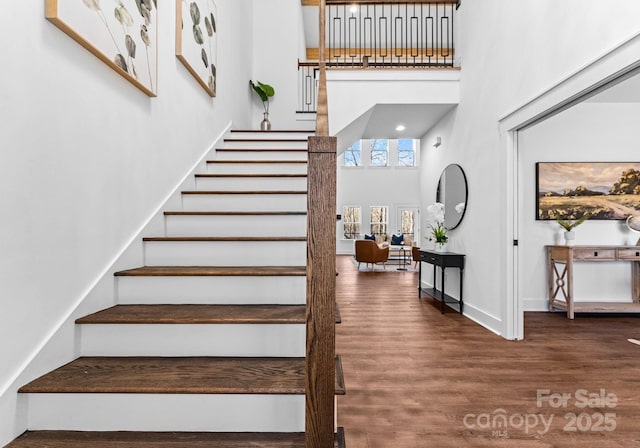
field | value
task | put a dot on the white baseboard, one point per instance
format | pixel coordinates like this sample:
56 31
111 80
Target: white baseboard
488 321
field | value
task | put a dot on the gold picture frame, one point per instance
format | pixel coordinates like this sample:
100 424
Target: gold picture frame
197 39
116 38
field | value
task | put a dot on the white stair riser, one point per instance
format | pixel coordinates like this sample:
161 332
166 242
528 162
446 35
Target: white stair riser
260 155
257 168
271 135
245 202
236 225
250 183
193 340
166 412
212 290
227 144
225 253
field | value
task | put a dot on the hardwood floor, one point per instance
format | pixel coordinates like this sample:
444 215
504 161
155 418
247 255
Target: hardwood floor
414 375
70 439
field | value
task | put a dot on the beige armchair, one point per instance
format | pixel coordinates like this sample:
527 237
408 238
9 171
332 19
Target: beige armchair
367 251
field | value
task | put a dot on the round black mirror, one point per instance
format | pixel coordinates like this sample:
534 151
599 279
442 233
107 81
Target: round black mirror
452 192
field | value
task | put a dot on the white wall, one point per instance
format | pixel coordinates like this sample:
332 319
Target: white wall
277 37
590 132
367 186
86 158
353 94
511 51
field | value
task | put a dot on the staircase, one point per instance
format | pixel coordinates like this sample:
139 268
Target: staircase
207 341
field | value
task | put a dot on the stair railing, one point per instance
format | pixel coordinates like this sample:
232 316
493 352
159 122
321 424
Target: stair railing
308 78
321 271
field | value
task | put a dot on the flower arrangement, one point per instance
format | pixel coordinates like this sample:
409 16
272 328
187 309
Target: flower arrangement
436 222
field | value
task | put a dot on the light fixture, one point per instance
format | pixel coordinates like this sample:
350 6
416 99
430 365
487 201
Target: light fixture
354 9
400 128
437 142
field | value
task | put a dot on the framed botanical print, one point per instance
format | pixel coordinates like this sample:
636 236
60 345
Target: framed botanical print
197 40
121 33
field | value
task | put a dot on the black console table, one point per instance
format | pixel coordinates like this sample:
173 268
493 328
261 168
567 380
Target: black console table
442 260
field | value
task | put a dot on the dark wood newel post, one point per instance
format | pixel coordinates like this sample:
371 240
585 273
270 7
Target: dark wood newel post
321 286
320 378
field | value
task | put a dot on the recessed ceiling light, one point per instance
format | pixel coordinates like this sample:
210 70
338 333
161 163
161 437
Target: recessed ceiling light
400 127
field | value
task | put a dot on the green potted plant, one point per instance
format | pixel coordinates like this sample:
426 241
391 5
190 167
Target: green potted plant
436 223
264 91
569 224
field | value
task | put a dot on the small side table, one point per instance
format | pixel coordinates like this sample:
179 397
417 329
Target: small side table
441 260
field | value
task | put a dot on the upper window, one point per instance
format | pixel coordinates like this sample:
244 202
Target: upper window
379 152
351 222
379 220
352 155
406 152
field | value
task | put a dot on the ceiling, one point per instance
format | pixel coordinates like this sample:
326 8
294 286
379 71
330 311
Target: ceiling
417 119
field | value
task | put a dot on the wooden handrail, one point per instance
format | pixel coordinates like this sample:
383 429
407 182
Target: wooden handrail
322 117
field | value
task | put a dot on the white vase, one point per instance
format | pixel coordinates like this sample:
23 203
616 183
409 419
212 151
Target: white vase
440 247
569 237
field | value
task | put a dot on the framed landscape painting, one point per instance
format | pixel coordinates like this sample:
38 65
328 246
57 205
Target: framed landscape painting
197 40
604 190
121 33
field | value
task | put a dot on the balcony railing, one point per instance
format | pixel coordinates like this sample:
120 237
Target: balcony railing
390 34
381 35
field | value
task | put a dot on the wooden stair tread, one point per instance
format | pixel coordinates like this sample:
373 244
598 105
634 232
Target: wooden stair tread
234 192
179 375
225 238
233 213
91 439
251 176
198 314
201 314
213 271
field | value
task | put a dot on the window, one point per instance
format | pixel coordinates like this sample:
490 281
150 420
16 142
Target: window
351 222
352 155
406 152
407 222
379 220
379 152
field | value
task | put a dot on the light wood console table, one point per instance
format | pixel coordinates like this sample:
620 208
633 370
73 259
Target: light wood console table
560 261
